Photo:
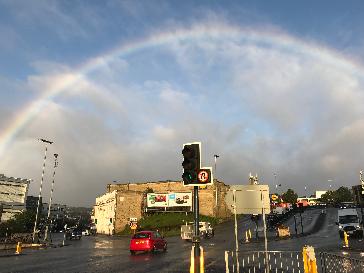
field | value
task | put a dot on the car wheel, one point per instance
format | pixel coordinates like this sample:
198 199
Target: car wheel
132 252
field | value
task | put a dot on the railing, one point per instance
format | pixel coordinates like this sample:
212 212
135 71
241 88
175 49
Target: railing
255 262
333 263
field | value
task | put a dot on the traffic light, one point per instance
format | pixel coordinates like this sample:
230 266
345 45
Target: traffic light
191 162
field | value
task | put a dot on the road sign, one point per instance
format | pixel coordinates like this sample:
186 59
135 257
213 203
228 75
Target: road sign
134 226
203 176
274 197
249 199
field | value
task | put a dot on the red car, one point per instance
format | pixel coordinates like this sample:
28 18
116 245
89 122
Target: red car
147 241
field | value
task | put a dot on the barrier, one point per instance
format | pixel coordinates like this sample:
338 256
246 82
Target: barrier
254 261
333 263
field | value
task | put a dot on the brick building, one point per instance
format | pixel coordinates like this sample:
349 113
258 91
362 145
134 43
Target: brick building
128 200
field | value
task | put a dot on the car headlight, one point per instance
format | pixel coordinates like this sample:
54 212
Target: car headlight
340 227
357 226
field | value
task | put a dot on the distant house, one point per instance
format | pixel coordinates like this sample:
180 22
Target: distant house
13 196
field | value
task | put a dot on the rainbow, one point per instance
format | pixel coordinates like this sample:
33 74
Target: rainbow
271 37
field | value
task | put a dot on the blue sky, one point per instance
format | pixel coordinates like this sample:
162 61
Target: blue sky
272 87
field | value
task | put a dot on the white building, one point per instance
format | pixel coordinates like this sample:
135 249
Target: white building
13 195
319 194
104 217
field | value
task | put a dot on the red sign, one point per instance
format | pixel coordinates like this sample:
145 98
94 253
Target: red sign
203 176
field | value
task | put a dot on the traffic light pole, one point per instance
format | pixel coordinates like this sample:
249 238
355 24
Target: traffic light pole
196 233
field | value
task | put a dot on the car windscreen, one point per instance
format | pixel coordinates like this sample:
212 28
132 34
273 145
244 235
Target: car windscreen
348 219
141 236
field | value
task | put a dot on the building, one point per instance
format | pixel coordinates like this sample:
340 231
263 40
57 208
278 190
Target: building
105 213
121 202
13 196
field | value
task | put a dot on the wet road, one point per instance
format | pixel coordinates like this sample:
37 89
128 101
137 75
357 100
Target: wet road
111 254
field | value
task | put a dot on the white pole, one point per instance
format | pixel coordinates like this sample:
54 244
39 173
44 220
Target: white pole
236 234
265 234
51 196
40 192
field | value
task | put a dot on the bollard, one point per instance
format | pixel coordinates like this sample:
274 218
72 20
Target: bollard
346 240
18 248
246 237
192 265
309 259
202 261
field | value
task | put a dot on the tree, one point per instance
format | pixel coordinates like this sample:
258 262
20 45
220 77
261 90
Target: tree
290 196
343 194
21 223
329 197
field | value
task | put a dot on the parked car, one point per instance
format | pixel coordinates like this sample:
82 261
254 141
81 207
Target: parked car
206 230
147 241
86 232
74 234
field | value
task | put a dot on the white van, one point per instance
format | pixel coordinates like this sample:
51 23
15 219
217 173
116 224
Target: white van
348 220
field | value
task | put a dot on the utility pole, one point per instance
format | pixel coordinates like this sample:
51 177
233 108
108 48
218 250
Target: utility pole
41 184
196 230
361 195
216 190
51 196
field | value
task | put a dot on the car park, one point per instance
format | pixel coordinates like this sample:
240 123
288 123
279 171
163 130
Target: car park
149 241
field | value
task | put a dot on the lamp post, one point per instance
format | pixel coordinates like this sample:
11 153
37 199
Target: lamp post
216 190
330 183
41 184
51 196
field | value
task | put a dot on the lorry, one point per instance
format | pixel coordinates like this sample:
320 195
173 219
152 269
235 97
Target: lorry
206 230
348 221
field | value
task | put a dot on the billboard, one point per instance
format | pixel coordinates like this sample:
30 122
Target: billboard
180 199
172 199
157 200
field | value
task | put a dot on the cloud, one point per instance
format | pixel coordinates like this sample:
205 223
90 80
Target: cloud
263 108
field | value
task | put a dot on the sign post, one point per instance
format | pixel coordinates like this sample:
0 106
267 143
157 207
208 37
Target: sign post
249 199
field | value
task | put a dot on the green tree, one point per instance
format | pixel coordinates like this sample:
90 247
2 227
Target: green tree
343 194
329 197
290 197
22 222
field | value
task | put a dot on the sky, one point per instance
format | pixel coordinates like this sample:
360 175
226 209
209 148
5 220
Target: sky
275 88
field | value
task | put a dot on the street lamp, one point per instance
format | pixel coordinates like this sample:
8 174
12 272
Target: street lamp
215 159
41 183
330 181
51 196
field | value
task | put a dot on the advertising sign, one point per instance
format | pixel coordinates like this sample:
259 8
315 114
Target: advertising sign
180 199
157 200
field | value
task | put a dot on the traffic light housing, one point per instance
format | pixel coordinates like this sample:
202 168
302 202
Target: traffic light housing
191 162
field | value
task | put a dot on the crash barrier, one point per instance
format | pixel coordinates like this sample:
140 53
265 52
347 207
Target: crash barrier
255 261
333 263
202 260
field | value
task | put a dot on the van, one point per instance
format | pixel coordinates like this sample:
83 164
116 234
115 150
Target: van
348 221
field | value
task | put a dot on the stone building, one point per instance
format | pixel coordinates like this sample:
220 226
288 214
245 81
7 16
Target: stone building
13 195
124 201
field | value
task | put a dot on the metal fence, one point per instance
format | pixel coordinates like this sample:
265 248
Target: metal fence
255 262
333 263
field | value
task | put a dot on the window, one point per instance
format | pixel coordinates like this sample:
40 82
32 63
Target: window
95 221
110 220
141 236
